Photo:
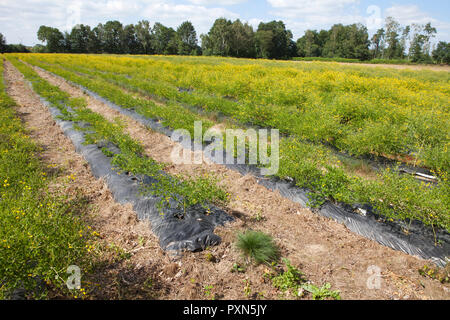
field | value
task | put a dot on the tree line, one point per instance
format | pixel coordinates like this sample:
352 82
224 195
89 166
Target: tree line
225 38
271 40
113 37
393 41
11 47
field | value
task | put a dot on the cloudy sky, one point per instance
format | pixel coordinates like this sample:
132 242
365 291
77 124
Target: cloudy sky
20 19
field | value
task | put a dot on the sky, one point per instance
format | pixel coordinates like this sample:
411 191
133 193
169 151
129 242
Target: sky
20 20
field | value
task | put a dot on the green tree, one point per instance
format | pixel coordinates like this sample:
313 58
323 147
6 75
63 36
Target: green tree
405 37
39 48
335 47
323 37
53 37
218 41
94 44
358 43
130 42
392 38
429 33
66 45
98 38
421 41
378 43
79 38
309 45
273 41
417 42
16 48
350 41
113 37
144 36
242 42
442 52
187 39
2 43
164 39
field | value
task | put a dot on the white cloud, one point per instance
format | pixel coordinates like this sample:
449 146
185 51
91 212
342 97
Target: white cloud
174 14
410 14
20 20
254 23
300 15
304 8
217 2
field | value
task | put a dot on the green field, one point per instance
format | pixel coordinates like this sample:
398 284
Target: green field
318 107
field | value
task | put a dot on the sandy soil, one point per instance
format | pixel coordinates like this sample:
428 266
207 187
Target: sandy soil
405 66
396 66
323 249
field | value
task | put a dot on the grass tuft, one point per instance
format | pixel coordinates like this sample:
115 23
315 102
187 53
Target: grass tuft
258 246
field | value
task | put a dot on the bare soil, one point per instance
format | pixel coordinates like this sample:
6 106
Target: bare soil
405 66
324 250
397 66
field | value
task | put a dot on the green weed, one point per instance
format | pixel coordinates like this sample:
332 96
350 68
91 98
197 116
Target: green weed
257 246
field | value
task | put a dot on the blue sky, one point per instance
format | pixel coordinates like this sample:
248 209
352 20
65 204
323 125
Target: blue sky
20 20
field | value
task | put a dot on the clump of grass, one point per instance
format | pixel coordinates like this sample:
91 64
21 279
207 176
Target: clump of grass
257 246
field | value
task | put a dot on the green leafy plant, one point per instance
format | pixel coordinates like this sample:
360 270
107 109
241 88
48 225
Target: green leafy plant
208 291
442 275
291 279
247 287
210 257
321 293
238 268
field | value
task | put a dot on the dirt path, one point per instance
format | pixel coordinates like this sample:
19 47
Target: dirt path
116 224
403 66
394 66
324 250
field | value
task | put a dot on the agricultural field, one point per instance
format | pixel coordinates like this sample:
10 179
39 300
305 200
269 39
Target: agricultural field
356 111
347 134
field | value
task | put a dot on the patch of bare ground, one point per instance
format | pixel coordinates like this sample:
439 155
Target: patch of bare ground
405 66
323 249
396 66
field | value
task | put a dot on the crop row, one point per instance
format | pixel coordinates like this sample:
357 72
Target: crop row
41 233
358 114
311 166
185 190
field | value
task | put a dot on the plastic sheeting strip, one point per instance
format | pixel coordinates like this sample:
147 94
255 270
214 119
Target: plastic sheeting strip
419 241
194 232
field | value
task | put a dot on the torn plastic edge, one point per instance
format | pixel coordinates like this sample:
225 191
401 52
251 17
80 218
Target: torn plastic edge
193 233
418 242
